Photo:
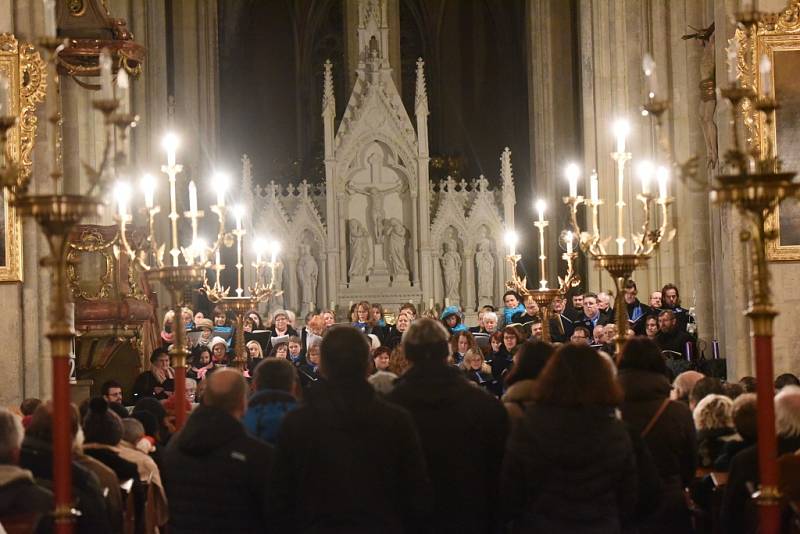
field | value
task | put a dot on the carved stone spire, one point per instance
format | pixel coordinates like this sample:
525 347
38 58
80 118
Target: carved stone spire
328 100
421 102
505 170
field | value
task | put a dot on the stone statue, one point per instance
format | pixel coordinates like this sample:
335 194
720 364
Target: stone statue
375 195
307 273
451 272
278 302
395 234
484 263
359 248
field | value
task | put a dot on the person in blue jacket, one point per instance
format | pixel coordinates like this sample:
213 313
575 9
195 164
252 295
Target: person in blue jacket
512 306
276 385
451 318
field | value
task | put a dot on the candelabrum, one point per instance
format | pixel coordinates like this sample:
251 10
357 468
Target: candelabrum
186 265
57 214
753 182
259 292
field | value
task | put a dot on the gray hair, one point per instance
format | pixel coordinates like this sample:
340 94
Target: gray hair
490 315
787 411
11 434
426 339
132 430
382 382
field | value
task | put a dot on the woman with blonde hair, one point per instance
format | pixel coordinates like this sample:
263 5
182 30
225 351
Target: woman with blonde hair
478 371
168 329
254 354
713 419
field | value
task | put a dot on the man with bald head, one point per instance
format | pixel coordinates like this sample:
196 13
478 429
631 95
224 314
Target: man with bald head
214 473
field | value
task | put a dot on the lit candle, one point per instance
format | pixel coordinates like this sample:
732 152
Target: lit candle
649 67
621 129
593 187
573 172
221 184
645 172
511 241
149 188
276 247
733 61
192 197
170 144
570 239
540 205
238 212
662 176
5 95
122 192
106 88
217 258
123 84
430 304
765 70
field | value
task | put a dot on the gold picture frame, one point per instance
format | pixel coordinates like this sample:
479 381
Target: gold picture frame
25 70
777 37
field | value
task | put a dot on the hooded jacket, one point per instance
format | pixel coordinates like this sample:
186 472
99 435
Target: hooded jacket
449 311
347 461
21 496
215 476
266 411
463 431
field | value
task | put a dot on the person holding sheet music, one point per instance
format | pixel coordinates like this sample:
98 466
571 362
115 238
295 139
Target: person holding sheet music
637 312
219 348
671 339
479 372
281 329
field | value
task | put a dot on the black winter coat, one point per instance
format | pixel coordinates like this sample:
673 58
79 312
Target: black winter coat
215 476
347 461
570 469
21 496
672 442
463 431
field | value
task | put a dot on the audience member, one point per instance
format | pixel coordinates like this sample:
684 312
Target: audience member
478 372
713 419
214 473
580 335
456 422
111 390
548 484
670 338
365 450
748 383
276 390
745 421
157 511
707 385
683 384
511 306
150 383
786 379
528 364
382 382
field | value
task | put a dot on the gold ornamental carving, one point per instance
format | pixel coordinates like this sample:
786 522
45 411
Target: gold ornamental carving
91 243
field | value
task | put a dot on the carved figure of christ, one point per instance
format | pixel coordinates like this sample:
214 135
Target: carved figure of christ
375 195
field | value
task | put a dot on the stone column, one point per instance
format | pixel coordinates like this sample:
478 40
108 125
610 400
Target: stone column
468 282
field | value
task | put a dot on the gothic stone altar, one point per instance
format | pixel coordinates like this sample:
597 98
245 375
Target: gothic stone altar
378 229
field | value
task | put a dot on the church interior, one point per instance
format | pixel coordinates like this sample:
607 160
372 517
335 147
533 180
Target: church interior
223 177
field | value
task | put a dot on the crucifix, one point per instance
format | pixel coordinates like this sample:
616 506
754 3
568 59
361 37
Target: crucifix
375 194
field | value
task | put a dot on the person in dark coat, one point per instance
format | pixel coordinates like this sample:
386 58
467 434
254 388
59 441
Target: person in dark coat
745 412
347 461
215 475
671 437
21 497
36 455
276 388
570 465
463 431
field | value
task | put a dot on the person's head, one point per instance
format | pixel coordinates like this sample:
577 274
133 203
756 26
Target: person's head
511 299
226 390
328 318
558 305
786 379
531 307
714 411
670 297
281 350
666 321
382 382
111 390
529 361
496 341
28 406
732 389
381 358
651 326
11 434
295 346
598 333
409 309
198 315
512 336
576 375
376 313
218 349
655 300
426 340
41 425
206 327
187 315
610 332
101 425
787 412
132 430
255 317
277 374
316 325
603 301
473 360
536 329
313 354
362 312
629 292
748 383
403 322
461 342
490 322
254 349
280 320
220 317
577 301
642 354
707 385
169 319
590 308
451 320
745 416
202 357
344 356
684 383
159 359
580 335
249 325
